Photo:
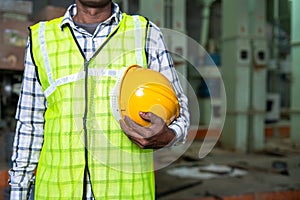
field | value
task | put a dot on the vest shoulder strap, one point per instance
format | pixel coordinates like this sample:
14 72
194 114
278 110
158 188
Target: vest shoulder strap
50 24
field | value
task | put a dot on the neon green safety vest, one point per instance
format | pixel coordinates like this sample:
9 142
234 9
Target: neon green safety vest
81 136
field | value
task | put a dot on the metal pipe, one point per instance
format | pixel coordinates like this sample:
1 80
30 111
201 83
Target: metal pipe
126 6
250 136
295 51
205 21
276 28
295 43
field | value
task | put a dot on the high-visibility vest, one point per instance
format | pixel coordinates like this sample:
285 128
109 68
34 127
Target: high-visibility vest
80 131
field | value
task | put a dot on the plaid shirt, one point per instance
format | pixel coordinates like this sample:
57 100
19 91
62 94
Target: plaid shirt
32 104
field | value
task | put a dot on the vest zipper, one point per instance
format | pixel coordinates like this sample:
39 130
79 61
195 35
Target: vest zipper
86 69
86 168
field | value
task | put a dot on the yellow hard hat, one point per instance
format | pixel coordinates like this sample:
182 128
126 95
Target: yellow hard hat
145 90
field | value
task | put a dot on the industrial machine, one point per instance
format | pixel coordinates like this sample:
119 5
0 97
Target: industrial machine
14 20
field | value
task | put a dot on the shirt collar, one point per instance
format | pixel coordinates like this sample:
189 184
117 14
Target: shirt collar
116 16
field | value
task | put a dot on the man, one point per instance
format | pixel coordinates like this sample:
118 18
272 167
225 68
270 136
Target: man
65 128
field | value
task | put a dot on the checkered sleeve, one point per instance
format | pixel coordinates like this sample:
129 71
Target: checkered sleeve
29 131
159 59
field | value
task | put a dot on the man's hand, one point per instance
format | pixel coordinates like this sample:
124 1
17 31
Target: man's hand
156 136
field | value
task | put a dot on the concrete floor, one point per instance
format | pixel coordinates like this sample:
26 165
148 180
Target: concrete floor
271 174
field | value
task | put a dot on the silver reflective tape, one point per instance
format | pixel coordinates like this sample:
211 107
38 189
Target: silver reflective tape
62 81
81 75
50 90
138 40
43 48
103 72
114 96
70 78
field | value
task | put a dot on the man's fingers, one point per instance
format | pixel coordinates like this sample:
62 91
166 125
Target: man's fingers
157 123
129 131
141 142
135 126
132 135
146 115
150 116
156 136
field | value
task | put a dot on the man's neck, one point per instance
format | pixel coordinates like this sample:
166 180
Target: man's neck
89 15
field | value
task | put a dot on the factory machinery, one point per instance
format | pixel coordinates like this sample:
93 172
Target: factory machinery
14 20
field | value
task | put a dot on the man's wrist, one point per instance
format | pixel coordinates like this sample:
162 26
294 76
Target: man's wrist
173 137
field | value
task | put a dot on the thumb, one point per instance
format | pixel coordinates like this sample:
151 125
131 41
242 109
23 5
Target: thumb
145 115
151 117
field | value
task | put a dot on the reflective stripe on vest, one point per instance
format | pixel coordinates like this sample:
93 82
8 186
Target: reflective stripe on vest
80 75
138 40
118 168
